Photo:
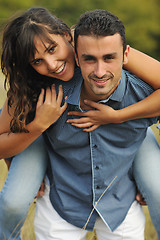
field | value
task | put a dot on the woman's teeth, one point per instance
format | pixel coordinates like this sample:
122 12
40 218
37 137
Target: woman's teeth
60 69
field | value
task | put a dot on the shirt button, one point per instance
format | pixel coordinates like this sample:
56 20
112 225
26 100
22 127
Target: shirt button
95 146
97 187
97 168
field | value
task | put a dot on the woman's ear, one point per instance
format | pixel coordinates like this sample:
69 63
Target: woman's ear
68 37
76 58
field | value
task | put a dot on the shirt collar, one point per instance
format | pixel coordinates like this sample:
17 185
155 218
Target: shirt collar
74 97
118 94
74 94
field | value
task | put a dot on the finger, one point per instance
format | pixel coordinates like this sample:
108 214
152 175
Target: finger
77 113
92 104
63 108
40 98
90 129
42 187
48 96
40 193
8 163
90 113
41 190
82 125
140 199
141 202
53 93
60 95
138 196
79 120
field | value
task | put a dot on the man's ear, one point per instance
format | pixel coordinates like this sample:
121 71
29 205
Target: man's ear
125 60
72 31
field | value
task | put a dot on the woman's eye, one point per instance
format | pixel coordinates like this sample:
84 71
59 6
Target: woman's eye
52 49
37 62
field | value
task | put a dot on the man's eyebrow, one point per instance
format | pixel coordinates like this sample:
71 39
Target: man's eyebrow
88 56
108 55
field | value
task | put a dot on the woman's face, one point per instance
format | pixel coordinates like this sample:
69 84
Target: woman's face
54 59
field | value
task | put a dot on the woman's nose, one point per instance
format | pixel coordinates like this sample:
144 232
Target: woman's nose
52 64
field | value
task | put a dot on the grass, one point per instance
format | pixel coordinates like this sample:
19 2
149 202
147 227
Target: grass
28 229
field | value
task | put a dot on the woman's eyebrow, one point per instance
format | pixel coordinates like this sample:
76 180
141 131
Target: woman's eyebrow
50 44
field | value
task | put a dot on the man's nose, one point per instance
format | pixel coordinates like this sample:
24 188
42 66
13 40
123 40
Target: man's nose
100 69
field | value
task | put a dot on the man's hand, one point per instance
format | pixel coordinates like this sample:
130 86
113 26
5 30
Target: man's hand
140 199
8 163
92 119
41 190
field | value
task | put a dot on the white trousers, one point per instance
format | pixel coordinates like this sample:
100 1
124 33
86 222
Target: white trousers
49 225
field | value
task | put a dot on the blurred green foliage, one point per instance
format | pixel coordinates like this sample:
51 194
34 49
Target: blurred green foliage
141 18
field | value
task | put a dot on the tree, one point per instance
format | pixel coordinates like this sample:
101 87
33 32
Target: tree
141 18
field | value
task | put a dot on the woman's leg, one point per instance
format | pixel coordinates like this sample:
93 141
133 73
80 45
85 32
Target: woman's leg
24 178
147 175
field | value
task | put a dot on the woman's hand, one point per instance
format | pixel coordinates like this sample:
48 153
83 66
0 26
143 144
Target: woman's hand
92 119
49 108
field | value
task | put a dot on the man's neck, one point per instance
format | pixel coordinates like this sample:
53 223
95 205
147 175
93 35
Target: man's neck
87 96
82 98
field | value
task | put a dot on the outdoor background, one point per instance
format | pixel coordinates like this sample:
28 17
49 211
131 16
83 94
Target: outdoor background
142 21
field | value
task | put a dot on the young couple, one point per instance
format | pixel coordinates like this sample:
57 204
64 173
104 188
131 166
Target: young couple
86 169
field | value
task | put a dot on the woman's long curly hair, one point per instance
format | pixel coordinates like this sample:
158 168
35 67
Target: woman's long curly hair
23 82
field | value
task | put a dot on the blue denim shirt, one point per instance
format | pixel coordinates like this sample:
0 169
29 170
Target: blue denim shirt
95 169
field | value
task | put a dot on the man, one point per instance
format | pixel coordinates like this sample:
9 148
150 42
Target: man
94 170
91 181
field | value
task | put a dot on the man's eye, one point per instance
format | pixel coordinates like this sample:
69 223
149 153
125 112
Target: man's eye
88 59
109 57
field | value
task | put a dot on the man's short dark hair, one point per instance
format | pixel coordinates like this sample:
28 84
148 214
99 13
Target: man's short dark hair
99 23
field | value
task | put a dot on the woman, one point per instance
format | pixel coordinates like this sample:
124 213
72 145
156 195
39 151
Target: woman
37 50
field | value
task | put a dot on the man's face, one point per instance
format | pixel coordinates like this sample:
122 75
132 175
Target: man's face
101 60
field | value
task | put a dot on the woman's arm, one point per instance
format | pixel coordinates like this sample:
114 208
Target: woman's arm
103 114
13 143
47 112
145 67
